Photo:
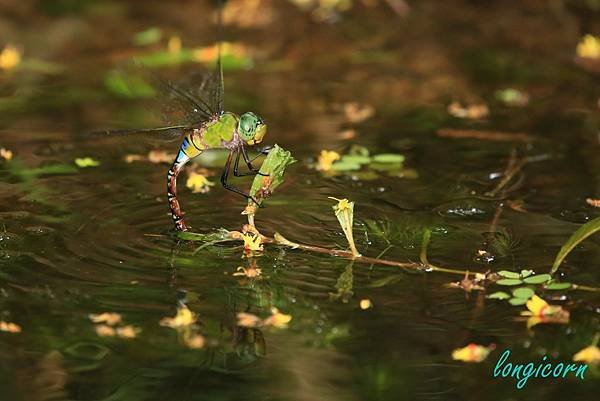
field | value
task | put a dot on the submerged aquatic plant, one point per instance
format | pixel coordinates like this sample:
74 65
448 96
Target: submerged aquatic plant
504 242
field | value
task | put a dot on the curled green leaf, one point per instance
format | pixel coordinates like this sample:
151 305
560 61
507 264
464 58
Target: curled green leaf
271 174
344 211
578 236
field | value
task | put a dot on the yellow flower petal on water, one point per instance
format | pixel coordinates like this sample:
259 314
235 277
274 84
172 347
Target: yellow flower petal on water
589 47
277 319
184 317
248 320
472 353
252 242
109 318
86 162
133 158
128 331
9 327
160 156
365 304
10 57
326 159
590 355
195 341
174 44
198 183
104 330
6 154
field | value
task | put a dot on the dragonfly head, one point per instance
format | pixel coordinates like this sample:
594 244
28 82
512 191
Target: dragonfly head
251 128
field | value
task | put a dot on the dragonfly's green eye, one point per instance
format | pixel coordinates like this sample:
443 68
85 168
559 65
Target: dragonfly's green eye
249 126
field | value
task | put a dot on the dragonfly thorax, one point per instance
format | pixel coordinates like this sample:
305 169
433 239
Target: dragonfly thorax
251 128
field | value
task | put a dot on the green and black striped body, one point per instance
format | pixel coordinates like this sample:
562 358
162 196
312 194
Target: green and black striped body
220 131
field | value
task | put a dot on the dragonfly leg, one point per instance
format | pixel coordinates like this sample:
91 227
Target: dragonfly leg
236 166
174 171
231 188
249 162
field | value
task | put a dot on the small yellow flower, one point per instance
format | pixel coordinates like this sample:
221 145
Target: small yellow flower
6 154
110 319
184 317
10 57
133 158
174 44
472 353
589 47
590 201
590 355
326 159
277 319
365 304
86 162
538 307
252 242
541 312
127 331
104 330
160 156
343 204
195 341
9 327
198 183
248 320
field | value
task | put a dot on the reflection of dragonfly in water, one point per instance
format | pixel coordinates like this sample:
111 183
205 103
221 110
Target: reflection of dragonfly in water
206 125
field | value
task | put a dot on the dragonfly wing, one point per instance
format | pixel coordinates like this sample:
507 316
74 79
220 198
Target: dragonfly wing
162 133
182 105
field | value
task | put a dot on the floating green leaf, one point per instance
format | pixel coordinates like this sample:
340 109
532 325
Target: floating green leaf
537 279
526 273
345 166
390 167
517 301
86 162
558 286
128 86
523 292
358 159
147 37
578 236
388 158
509 281
499 295
508 274
164 58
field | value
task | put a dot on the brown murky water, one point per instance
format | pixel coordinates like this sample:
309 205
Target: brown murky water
78 241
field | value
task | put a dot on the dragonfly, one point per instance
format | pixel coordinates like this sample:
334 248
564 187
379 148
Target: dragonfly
205 126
